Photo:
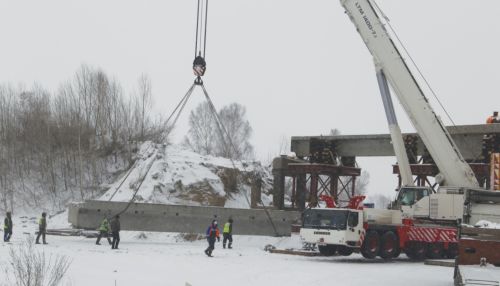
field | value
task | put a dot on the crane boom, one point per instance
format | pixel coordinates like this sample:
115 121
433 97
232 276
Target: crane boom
453 168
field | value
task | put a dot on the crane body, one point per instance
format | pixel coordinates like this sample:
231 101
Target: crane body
424 223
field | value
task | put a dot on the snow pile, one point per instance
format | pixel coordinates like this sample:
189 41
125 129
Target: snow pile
174 175
487 224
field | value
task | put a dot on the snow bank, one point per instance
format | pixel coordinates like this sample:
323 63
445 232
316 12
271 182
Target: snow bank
487 224
174 175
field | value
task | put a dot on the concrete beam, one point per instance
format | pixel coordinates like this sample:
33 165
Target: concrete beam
178 218
467 137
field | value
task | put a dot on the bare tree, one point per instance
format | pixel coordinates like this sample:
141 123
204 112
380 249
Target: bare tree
30 267
233 117
202 133
362 183
205 137
145 98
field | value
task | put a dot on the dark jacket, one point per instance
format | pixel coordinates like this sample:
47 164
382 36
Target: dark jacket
213 232
115 225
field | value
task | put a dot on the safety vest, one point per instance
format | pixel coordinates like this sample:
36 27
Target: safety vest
104 225
226 227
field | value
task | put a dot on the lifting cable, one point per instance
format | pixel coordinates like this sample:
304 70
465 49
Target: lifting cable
138 186
199 67
223 133
201 29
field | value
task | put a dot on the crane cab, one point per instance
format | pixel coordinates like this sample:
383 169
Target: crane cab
413 201
333 229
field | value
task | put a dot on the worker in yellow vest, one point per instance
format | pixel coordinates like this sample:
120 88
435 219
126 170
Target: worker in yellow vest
227 234
7 227
42 228
104 231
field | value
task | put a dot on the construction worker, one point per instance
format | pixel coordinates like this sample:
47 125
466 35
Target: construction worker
115 232
212 234
227 234
104 231
7 227
493 119
42 228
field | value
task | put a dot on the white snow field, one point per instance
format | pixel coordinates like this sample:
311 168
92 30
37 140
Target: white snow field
166 259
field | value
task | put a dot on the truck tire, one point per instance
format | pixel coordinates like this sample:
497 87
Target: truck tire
435 250
371 245
452 251
327 250
345 251
389 245
397 253
416 250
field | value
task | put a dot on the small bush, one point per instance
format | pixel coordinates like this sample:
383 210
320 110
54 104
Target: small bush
29 266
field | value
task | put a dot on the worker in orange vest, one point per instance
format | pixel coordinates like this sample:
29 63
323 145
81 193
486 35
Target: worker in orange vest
493 119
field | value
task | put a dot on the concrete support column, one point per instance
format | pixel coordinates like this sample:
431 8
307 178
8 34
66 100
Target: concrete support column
353 186
301 191
313 190
279 189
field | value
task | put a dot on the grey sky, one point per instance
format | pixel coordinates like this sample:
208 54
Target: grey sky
299 67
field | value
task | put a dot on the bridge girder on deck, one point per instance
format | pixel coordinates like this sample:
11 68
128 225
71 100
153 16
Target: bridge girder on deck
468 139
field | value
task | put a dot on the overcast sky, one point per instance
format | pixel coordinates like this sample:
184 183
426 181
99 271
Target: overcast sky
299 67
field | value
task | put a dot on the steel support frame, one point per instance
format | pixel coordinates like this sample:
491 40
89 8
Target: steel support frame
313 180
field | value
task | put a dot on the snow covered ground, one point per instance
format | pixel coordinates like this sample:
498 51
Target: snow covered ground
166 259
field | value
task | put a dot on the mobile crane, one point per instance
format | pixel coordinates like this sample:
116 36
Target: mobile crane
424 222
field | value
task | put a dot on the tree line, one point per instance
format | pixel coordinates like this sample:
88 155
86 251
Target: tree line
59 145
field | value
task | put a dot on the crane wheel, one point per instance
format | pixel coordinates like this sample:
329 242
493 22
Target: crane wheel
452 251
389 245
416 250
327 250
397 253
435 250
371 245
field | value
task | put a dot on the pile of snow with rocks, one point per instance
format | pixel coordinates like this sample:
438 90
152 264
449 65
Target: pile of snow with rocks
487 224
172 174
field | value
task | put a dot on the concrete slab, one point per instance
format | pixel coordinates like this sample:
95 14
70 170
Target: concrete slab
178 218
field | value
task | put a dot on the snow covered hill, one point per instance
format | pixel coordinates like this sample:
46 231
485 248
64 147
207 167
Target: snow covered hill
172 174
